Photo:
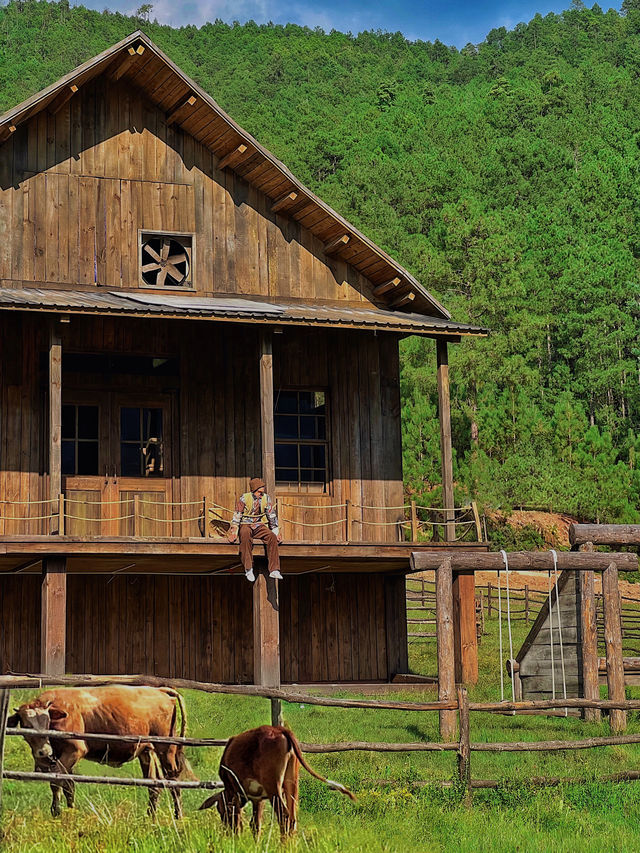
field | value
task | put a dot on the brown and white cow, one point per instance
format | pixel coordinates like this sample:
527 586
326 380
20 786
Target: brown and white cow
259 765
114 710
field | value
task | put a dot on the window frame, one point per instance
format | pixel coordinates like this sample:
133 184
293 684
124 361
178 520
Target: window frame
77 404
289 487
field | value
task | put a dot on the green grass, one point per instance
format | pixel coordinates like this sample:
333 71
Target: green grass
397 817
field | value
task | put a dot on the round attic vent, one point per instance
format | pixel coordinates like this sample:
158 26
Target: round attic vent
165 262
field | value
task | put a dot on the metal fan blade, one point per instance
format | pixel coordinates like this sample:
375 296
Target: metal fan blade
161 277
175 273
151 251
150 267
178 259
166 246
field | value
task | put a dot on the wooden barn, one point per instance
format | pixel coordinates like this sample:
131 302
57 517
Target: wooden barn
179 313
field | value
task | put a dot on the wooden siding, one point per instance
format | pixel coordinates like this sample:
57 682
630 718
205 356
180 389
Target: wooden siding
341 628
20 623
75 189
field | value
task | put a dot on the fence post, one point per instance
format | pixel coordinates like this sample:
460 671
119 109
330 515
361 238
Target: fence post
205 516
464 747
137 521
4 713
489 611
613 645
445 645
589 640
526 603
61 514
476 519
414 522
347 521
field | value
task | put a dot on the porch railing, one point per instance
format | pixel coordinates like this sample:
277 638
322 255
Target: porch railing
138 516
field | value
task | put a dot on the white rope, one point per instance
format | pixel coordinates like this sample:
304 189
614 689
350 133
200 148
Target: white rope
500 639
312 524
511 667
316 506
564 678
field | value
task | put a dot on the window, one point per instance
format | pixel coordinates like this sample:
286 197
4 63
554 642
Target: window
301 444
141 447
80 440
166 260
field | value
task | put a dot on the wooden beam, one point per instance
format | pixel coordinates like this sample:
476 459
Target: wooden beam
55 421
122 66
604 534
233 157
6 131
445 646
266 410
588 647
285 200
53 615
402 300
386 286
183 107
444 414
464 628
336 244
523 561
62 98
613 645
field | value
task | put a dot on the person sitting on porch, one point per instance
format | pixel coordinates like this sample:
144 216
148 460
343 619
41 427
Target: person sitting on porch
256 518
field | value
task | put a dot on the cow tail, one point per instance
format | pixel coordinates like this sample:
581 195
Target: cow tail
295 747
182 765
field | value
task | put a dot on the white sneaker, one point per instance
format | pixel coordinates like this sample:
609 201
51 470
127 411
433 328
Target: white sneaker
250 576
275 575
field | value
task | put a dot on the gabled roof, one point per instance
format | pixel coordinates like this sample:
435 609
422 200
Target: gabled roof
138 60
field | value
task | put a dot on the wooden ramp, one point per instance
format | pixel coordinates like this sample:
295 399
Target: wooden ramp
535 676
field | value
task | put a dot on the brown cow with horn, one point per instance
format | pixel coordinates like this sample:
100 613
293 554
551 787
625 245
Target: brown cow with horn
114 710
259 765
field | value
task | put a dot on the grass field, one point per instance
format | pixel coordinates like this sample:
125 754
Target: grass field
396 817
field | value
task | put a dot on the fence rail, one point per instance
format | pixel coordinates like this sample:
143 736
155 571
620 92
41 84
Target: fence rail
463 746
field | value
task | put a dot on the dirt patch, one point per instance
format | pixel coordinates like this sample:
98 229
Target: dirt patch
552 526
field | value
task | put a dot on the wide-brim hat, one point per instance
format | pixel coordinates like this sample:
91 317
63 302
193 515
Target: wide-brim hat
257 483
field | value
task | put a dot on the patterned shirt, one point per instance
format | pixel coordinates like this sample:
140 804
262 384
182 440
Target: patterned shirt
250 515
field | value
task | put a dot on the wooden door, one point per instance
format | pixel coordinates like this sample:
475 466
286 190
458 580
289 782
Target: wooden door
117 465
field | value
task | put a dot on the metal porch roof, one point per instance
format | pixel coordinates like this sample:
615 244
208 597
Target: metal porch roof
229 308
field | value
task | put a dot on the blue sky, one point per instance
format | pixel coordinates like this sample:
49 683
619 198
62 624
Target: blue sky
456 22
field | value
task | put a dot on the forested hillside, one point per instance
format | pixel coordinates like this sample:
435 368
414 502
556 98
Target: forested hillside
505 176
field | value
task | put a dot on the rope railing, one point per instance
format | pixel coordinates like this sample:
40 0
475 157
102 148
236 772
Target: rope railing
213 518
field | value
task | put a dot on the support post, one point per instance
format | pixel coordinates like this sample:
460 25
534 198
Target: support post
444 640
266 609
414 522
55 424
613 645
526 603
589 640
444 414
464 627
53 616
348 521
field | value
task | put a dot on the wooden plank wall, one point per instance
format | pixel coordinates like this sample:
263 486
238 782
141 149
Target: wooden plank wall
76 187
215 441
334 627
535 656
20 623
178 627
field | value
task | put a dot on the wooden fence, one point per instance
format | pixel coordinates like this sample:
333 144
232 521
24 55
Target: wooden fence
462 745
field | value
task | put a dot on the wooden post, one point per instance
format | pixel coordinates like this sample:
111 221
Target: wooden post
613 645
53 616
444 413
205 517
464 747
464 627
589 640
61 514
489 588
137 520
5 695
348 532
266 609
414 522
55 423
526 603
444 640
476 519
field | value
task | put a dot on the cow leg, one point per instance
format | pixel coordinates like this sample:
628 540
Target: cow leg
171 770
256 817
281 812
65 764
56 799
149 765
290 790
